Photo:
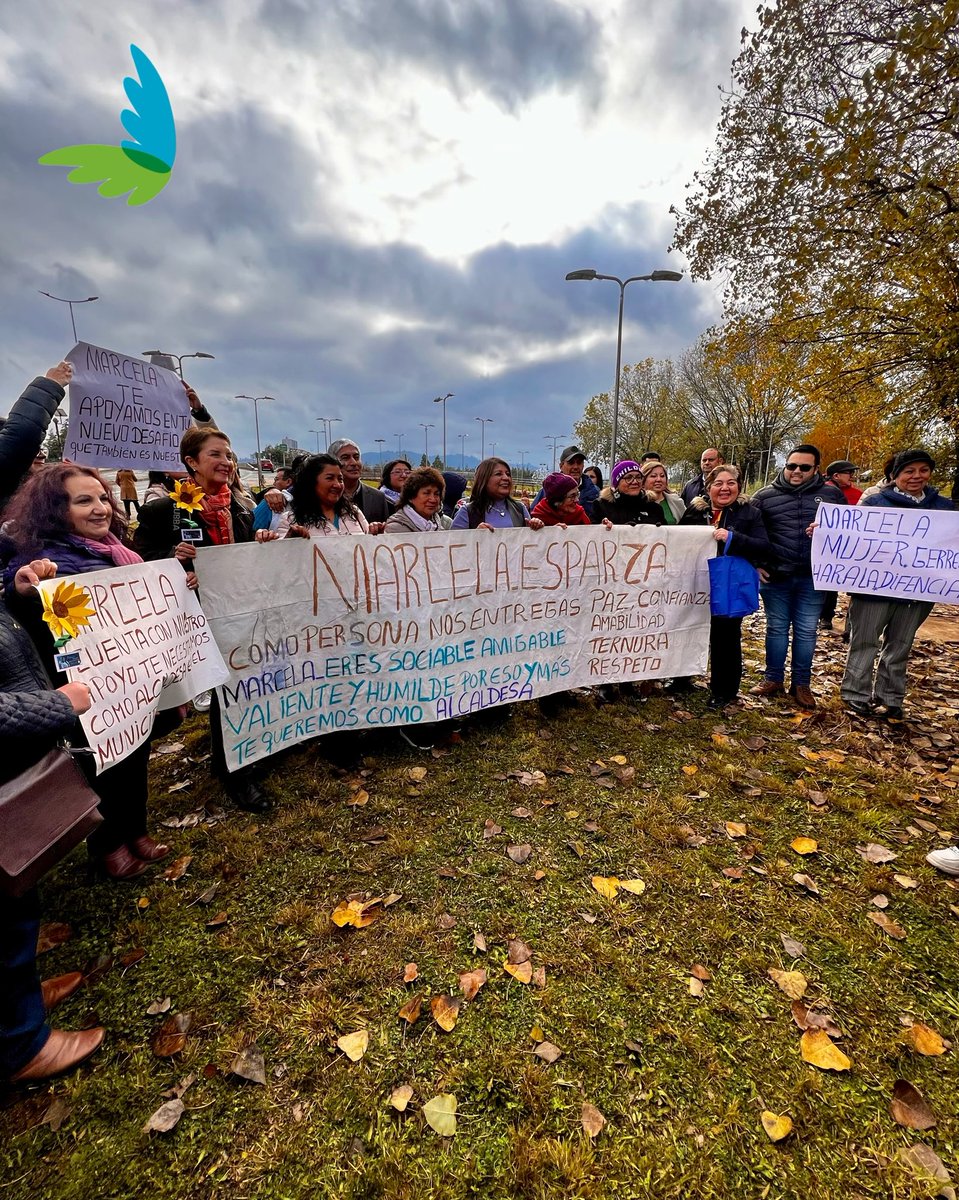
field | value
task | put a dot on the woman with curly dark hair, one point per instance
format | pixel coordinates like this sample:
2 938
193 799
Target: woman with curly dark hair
420 508
320 506
68 514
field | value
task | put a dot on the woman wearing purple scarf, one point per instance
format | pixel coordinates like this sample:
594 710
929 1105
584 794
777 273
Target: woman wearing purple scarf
67 514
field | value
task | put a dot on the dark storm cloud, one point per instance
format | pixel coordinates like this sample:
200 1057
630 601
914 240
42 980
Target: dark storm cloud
509 49
688 47
243 257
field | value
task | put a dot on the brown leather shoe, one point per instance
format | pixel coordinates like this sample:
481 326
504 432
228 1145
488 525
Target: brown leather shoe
61 1052
768 688
149 850
120 864
55 990
802 695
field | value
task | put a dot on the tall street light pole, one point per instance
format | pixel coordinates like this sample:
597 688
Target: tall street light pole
256 422
484 421
399 444
380 442
328 423
442 400
426 434
652 277
462 437
554 438
64 300
179 357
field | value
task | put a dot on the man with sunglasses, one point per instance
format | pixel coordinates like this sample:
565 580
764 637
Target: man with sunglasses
789 506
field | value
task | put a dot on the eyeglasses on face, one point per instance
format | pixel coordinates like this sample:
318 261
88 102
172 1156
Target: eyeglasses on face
804 467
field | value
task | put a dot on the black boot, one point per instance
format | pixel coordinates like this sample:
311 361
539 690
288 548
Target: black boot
246 793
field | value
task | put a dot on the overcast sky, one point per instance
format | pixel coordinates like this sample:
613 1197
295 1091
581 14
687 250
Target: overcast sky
373 203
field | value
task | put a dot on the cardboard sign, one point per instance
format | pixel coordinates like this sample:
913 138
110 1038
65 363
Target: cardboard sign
124 412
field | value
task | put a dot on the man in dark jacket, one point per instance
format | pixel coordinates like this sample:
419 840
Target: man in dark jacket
371 502
789 505
709 458
572 462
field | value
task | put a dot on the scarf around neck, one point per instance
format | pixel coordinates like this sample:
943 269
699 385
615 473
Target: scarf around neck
111 547
216 516
423 524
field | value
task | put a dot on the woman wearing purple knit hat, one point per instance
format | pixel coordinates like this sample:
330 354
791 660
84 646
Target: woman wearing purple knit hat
625 501
560 503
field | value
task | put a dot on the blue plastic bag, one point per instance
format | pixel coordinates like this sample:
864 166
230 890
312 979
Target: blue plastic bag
733 584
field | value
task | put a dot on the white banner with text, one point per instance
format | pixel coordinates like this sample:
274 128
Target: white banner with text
904 553
365 632
124 412
140 642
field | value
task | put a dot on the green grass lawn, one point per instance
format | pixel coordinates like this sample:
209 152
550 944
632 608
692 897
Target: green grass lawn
656 791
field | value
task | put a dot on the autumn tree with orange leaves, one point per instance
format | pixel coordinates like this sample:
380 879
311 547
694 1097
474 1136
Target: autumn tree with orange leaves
831 200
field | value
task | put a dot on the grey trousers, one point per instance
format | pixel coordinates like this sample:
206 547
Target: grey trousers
895 622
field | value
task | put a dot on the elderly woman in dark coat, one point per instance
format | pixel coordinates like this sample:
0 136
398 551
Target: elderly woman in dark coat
739 526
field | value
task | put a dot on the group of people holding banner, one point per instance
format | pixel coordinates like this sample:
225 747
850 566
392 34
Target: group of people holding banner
64 519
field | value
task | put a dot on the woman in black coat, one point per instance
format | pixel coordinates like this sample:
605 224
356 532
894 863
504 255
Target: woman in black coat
625 501
739 525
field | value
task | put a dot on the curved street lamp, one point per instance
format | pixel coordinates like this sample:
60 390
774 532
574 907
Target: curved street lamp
64 300
179 357
442 400
484 421
256 421
652 277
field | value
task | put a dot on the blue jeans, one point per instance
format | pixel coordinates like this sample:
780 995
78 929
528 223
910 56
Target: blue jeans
793 604
23 1022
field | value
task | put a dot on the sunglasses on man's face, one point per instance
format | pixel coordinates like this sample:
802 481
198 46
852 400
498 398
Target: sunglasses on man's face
804 467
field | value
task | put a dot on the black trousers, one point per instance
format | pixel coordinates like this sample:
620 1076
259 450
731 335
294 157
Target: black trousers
725 656
122 789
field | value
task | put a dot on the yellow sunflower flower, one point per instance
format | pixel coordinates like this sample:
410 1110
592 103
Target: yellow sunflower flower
65 610
187 495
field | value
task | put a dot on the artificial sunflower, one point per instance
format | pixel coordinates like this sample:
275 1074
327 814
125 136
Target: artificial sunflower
65 610
187 495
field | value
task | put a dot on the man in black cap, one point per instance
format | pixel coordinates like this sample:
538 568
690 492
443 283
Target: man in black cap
841 475
572 461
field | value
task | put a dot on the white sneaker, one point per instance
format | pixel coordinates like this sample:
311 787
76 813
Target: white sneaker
201 702
945 860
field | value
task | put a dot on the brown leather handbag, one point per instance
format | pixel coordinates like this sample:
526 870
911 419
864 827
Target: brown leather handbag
44 813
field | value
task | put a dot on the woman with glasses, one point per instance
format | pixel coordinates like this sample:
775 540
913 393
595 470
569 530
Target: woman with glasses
789 506
626 501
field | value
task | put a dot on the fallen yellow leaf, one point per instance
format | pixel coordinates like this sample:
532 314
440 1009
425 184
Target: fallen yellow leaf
819 1049
735 829
358 913
354 1045
692 769
777 1127
804 845
401 1096
607 886
410 1012
925 1040
445 1010
793 983
523 972
440 1114
636 886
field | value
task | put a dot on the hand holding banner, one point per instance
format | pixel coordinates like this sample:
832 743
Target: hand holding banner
142 645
